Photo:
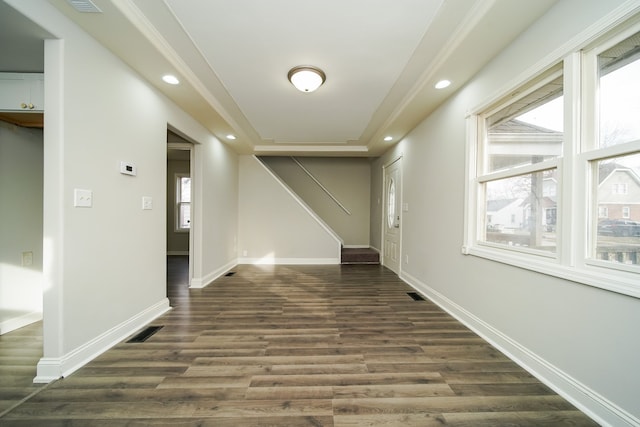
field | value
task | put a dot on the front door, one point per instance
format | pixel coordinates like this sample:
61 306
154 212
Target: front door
391 218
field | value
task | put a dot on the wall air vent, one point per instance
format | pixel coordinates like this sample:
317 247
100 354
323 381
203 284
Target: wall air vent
84 6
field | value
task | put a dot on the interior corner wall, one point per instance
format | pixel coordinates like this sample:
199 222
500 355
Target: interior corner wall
274 228
345 178
105 266
21 187
585 338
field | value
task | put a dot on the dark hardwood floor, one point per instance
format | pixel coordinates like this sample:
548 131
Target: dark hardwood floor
295 346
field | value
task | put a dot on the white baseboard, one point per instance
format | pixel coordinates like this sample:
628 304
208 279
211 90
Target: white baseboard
587 400
289 261
356 246
201 282
19 322
53 368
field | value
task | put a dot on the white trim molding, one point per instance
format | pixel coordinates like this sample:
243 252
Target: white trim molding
52 368
19 322
201 282
596 406
289 261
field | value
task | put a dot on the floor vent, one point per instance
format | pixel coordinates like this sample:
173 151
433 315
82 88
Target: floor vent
145 334
416 296
231 273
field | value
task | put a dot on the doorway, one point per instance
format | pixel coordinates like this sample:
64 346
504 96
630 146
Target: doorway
179 214
391 219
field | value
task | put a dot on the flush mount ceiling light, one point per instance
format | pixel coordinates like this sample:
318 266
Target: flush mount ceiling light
388 138
306 78
231 137
442 84
172 80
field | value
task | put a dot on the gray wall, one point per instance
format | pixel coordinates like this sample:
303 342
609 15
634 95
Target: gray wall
105 266
273 227
583 340
347 179
21 154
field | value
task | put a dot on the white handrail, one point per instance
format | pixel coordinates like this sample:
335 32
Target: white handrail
310 175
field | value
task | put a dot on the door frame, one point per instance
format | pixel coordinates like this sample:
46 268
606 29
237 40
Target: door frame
187 146
384 208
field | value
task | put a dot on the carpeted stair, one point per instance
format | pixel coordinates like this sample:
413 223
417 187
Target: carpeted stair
360 256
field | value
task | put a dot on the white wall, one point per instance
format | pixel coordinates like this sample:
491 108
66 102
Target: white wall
274 228
105 266
582 340
21 154
347 179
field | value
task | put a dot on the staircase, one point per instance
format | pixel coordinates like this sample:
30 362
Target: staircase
360 256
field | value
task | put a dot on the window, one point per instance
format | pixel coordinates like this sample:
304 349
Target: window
554 167
615 157
603 212
617 237
183 203
521 140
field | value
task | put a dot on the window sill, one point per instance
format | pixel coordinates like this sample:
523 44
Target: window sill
596 275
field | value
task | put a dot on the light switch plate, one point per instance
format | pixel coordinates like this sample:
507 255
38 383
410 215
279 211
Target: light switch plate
147 202
82 198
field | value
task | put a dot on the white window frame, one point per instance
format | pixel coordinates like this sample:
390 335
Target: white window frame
576 202
178 203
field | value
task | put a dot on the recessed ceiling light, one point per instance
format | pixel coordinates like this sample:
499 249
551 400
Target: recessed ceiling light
442 84
231 137
388 138
172 80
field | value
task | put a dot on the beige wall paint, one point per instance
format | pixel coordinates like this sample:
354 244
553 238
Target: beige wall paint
347 179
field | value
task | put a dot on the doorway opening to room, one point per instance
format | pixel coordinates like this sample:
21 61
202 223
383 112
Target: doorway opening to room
179 215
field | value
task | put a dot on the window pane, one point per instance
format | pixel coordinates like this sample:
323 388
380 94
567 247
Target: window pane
185 215
185 189
522 211
619 92
618 194
527 131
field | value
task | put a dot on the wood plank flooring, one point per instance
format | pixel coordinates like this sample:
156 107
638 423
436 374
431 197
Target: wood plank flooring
299 346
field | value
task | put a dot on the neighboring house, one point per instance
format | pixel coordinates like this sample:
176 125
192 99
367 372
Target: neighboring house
504 214
619 194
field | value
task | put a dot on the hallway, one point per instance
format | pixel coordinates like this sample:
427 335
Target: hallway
300 346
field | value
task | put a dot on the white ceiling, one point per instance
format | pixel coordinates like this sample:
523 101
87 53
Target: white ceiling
381 58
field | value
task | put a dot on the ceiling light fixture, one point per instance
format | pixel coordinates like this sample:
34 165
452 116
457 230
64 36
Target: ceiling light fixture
306 78
172 80
231 137
388 138
442 84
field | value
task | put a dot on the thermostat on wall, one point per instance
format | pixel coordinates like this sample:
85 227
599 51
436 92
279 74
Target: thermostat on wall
128 168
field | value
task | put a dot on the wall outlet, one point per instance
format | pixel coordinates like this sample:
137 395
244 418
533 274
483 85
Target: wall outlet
244 253
406 259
